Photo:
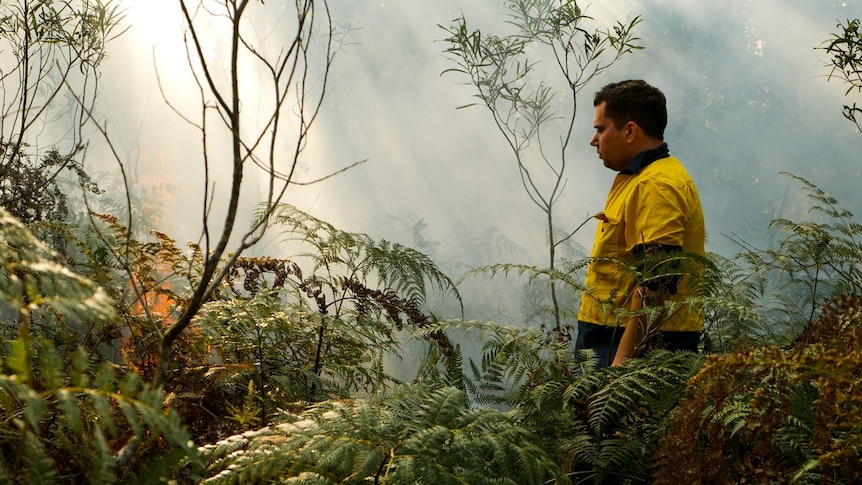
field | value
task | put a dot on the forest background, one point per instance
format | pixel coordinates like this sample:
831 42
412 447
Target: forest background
159 364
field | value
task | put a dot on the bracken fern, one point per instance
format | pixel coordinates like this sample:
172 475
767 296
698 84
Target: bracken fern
412 434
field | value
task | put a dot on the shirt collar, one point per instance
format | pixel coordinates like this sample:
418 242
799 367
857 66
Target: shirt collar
645 158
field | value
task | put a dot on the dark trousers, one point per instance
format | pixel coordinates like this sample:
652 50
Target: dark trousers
604 340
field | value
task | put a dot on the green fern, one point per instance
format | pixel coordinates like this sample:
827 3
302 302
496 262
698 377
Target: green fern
817 259
33 281
734 310
326 331
513 359
65 426
408 435
357 256
605 422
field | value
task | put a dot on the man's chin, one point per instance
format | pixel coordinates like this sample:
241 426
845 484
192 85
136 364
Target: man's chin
609 166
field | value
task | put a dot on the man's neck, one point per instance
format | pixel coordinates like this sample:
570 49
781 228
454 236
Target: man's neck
646 157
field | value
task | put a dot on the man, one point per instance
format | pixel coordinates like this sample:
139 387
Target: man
652 209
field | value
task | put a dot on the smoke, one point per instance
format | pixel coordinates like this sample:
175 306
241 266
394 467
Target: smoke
747 90
748 98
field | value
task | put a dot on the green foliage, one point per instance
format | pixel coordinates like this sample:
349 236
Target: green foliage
358 257
248 414
536 281
734 311
305 336
52 50
30 190
512 359
813 261
845 52
499 69
64 418
272 343
149 277
596 423
54 25
821 257
413 434
67 421
363 290
36 285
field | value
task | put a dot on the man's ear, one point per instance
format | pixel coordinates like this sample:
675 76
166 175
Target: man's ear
631 130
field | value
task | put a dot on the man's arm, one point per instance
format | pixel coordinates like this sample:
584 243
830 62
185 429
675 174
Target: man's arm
660 282
635 329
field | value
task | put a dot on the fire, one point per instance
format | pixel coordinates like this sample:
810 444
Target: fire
154 187
157 304
155 297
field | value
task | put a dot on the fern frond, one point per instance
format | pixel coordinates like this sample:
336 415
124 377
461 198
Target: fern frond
67 427
32 278
584 383
510 354
621 395
308 478
567 277
793 440
734 416
396 266
620 456
412 434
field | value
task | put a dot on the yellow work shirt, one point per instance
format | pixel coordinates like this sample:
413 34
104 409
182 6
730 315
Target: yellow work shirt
658 205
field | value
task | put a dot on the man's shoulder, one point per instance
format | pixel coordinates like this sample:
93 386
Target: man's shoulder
668 170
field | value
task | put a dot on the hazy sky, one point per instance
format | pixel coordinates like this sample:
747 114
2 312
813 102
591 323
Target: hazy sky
747 92
747 95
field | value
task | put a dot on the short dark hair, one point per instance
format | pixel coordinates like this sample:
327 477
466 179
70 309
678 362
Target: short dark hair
635 100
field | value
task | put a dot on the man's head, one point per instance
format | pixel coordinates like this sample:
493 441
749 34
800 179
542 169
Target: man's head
630 117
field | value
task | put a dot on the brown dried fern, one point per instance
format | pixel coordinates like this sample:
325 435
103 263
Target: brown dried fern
741 418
